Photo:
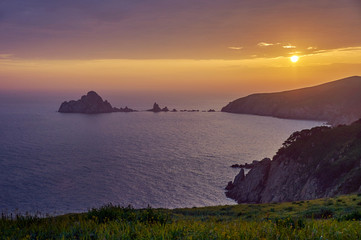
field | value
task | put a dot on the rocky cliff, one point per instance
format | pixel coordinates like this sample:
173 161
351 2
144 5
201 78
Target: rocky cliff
316 163
90 103
336 102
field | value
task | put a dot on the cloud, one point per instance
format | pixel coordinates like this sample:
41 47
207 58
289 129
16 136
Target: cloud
311 48
235 48
344 49
295 52
5 55
288 46
264 44
161 29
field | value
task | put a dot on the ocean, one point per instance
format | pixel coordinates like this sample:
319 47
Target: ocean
59 163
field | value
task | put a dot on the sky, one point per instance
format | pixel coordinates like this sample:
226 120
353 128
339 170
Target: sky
180 47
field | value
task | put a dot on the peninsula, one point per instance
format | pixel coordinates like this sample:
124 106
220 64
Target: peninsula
335 102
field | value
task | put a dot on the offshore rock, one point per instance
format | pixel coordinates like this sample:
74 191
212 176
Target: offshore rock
91 103
126 109
156 109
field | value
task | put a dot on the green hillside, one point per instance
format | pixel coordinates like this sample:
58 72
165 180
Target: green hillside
333 218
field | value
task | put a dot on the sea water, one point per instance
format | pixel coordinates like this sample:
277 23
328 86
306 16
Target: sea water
58 163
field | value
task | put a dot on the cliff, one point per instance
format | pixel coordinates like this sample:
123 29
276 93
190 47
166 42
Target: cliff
336 102
91 103
317 163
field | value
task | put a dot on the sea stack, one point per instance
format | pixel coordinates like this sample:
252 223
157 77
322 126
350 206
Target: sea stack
156 108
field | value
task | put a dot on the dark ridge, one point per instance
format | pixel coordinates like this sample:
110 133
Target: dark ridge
337 102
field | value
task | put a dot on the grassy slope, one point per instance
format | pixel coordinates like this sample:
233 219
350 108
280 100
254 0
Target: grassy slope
334 218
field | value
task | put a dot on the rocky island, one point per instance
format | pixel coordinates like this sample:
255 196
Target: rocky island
316 163
335 102
91 103
156 108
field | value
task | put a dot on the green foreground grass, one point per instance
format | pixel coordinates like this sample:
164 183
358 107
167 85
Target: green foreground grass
333 218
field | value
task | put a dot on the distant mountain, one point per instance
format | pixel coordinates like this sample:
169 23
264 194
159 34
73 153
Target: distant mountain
338 102
91 103
317 163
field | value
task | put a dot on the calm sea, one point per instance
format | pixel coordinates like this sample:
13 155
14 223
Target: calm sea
57 163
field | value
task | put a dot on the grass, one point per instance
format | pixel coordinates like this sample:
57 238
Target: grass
336 218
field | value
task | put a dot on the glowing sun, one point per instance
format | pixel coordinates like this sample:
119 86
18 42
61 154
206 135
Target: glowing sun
294 58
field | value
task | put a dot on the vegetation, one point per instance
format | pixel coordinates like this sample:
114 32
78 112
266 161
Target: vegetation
337 150
336 218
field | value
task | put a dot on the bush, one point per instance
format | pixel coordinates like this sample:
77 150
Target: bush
289 222
354 216
319 213
107 213
129 214
289 209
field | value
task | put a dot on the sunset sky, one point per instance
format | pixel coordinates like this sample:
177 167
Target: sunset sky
226 47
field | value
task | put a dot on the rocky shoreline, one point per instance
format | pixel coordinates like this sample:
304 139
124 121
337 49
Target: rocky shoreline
316 163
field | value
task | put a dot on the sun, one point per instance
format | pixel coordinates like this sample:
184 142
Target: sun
294 58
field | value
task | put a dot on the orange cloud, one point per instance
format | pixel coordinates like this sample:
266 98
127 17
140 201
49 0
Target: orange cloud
264 44
235 48
288 46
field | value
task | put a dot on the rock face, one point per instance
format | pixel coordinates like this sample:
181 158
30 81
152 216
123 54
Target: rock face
247 165
316 163
334 102
91 103
244 190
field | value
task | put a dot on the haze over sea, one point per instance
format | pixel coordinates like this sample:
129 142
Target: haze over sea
58 163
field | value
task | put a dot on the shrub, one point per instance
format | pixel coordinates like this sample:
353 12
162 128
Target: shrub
129 214
289 209
318 213
151 216
354 216
289 222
